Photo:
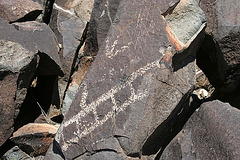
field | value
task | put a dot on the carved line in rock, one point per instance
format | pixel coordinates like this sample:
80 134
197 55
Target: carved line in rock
110 53
88 108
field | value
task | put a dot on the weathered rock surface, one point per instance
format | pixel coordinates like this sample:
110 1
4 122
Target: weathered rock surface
16 153
220 52
76 80
96 33
36 37
46 43
132 93
17 67
82 8
102 17
69 29
41 2
34 138
19 10
211 133
19 63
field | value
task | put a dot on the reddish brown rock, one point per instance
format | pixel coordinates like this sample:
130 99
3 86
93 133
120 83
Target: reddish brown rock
135 88
34 138
211 133
7 106
19 10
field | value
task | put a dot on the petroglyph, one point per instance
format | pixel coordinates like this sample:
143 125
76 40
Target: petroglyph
108 12
64 10
110 49
103 13
84 129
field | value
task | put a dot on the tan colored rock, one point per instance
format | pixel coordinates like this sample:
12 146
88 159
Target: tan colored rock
33 128
34 138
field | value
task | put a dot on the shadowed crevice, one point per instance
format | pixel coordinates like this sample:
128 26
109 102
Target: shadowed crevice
165 132
48 11
31 16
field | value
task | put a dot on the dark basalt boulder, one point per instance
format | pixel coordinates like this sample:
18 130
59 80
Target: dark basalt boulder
219 56
212 132
135 89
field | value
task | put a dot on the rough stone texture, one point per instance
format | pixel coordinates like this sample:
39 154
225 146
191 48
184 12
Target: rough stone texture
34 138
76 80
82 8
41 2
16 153
211 133
19 10
69 29
17 66
7 106
96 33
19 62
131 89
220 52
46 43
32 128
102 17
35 37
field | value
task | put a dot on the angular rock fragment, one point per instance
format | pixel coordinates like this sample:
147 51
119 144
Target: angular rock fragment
211 133
19 10
134 90
69 29
34 138
46 43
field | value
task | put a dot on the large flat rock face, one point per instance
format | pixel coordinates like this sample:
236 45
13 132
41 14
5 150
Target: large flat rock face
130 89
